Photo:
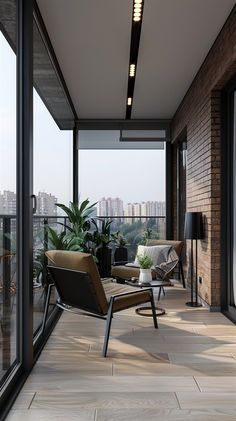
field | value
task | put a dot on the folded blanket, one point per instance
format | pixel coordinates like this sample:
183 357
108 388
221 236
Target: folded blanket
165 269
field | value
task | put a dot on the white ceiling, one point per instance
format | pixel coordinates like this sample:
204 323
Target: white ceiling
91 39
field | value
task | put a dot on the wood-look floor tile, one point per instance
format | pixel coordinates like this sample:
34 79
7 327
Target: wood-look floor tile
199 339
23 401
93 400
47 415
164 415
216 384
113 384
194 400
188 358
216 331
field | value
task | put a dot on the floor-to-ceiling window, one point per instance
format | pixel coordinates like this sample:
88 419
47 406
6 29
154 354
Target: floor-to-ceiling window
128 184
8 250
52 186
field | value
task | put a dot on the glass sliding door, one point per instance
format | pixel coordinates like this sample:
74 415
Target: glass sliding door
52 169
52 185
9 289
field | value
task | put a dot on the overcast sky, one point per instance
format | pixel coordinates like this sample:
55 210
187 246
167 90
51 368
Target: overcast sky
134 176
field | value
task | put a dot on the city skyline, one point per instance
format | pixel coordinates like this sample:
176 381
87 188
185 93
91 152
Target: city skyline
110 206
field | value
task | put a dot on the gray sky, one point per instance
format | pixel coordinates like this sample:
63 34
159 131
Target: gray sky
131 175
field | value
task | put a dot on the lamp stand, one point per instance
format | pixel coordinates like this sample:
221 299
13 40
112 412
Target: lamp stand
193 303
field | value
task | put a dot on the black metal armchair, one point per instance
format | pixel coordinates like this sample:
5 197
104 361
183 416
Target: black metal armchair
78 284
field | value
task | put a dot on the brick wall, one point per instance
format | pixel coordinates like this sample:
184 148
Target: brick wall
200 114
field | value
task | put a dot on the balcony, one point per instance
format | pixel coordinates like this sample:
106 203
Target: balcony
129 102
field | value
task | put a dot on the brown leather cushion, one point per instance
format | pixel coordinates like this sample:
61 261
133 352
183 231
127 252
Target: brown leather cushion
177 245
127 272
80 261
125 301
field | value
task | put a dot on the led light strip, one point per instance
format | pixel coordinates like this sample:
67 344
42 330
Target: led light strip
137 15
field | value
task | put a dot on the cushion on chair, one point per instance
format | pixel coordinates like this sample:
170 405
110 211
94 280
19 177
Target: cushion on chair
83 262
125 301
177 245
127 271
158 253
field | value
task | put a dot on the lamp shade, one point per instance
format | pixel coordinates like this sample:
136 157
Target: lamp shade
193 229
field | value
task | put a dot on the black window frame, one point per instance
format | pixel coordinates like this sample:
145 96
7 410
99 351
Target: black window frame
227 133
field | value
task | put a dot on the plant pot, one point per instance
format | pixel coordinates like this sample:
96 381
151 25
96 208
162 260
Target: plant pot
104 261
145 275
121 255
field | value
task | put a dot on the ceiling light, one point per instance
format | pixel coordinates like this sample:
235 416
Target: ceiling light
138 2
132 70
137 6
129 102
137 14
137 19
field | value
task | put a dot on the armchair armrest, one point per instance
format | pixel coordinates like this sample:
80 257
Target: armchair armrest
123 262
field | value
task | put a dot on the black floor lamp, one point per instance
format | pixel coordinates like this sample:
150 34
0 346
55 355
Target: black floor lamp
193 230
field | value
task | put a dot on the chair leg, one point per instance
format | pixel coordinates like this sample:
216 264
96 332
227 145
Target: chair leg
164 293
46 306
154 311
108 328
182 273
159 294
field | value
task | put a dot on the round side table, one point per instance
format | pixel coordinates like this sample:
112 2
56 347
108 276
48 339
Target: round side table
146 311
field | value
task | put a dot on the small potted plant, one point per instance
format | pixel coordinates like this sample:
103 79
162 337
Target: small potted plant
145 263
121 251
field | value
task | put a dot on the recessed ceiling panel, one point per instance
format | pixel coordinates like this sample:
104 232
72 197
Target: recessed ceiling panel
176 37
91 39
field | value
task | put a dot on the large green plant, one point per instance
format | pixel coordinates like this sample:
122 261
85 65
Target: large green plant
78 215
75 235
102 236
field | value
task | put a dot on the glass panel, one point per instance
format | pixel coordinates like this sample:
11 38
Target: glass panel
8 252
128 186
52 185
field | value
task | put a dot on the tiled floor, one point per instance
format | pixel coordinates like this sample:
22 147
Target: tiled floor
186 370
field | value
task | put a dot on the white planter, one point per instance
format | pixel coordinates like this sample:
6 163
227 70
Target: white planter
145 275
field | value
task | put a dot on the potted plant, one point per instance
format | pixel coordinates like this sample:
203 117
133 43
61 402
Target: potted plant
102 238
121 251
145 263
